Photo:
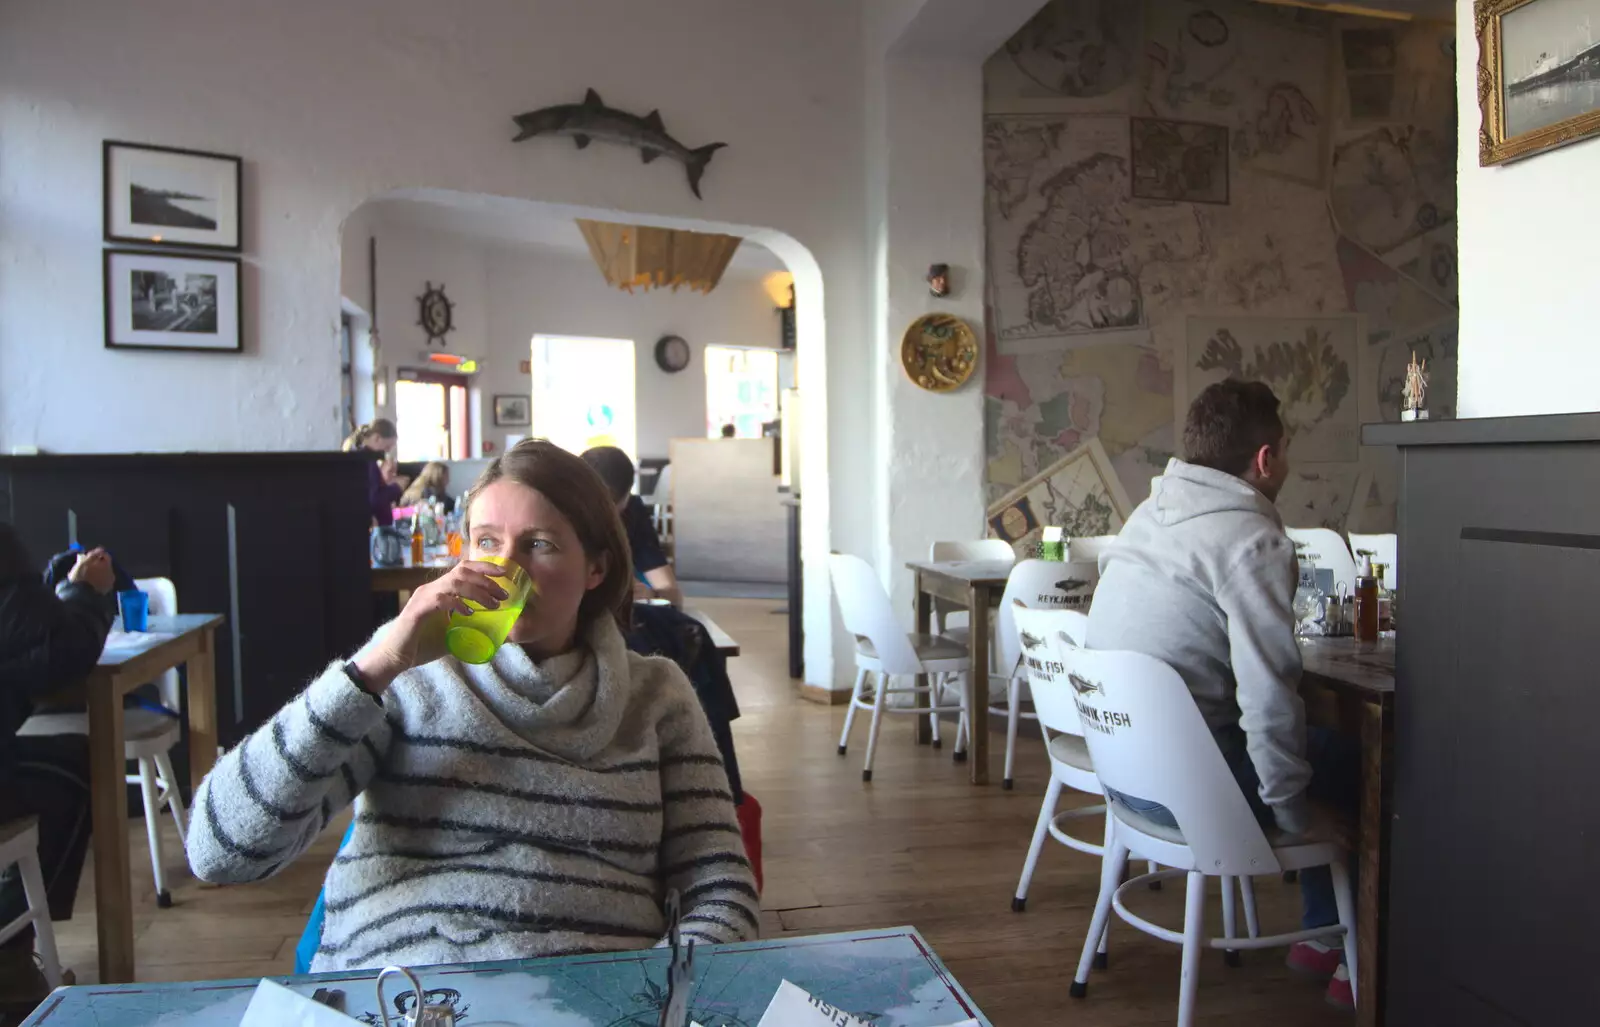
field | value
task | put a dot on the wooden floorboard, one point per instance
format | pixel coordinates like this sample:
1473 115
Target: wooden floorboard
918 846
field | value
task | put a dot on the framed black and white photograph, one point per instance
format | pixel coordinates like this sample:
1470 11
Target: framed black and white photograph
511 411
1538 76
169 197
157 300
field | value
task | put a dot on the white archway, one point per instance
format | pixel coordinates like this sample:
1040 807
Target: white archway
811 364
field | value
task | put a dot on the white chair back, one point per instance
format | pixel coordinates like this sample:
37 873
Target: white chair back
978 549
1040 585
164 603
661 495
864 606
1324 548
1047 675
1147 739
1089 547
1385 549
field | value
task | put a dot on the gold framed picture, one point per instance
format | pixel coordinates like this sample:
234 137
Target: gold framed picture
1538 75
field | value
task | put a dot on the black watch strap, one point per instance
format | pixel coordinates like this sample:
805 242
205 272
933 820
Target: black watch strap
359 679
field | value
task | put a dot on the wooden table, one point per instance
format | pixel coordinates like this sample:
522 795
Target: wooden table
120 671
977 585
408 576
1349 685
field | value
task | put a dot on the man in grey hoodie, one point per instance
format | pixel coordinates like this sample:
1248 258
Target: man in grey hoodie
1202 577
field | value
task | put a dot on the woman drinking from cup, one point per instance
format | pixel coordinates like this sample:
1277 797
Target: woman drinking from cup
537 804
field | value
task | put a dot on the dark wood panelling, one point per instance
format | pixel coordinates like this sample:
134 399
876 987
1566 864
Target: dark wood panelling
1495 716
302 522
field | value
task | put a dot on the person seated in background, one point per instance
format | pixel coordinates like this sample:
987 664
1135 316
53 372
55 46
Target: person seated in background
431 484
48 640
656 578
1202 577
539 804
383 489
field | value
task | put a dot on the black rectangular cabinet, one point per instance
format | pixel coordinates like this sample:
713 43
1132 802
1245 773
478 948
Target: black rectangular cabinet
1496 830
276 542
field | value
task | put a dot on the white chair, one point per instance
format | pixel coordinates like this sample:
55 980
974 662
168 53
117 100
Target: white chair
660 503
1147 738
885 650
148 737
1089 547
1325 548
19 846
1036 585
1385 549
949 617
1070 765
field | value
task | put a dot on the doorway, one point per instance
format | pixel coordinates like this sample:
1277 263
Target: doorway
432 416
741 390
583 393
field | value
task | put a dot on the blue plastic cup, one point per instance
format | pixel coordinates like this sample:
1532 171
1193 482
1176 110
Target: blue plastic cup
135 610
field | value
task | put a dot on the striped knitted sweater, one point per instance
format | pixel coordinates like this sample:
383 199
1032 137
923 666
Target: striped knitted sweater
502 811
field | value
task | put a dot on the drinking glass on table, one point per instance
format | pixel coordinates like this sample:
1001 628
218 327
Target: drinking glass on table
135 606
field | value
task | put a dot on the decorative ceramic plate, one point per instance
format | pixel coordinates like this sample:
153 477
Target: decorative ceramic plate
939 352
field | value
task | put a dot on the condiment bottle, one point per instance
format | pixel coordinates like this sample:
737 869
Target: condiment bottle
418 541
1366 602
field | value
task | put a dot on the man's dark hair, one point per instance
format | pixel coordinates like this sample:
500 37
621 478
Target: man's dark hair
614 468
1228 423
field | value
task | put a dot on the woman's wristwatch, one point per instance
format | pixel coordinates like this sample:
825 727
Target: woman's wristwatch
359 679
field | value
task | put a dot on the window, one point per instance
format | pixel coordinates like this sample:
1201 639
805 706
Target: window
741 390
347 380
583 393
432 416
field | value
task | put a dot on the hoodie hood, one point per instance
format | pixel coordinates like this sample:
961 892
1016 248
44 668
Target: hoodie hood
1186 491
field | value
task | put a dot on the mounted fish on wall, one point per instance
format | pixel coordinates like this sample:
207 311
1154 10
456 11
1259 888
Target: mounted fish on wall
592 119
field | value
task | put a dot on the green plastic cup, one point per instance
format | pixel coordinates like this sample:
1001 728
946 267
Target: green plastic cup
475 637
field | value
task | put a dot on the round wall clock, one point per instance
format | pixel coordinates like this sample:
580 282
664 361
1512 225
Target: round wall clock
435 317
672 353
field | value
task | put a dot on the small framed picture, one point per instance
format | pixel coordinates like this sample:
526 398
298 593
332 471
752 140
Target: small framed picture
156 300
511 411
157 195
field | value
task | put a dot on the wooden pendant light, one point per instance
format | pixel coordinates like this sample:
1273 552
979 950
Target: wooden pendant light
638 256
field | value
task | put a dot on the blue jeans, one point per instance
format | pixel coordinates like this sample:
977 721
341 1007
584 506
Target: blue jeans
1335 781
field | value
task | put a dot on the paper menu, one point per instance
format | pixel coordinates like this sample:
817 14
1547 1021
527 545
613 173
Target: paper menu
273 1005
793 1006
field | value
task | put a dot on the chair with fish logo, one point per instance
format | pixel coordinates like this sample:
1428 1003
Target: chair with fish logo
1037 585
1147 738
1070 765
886 651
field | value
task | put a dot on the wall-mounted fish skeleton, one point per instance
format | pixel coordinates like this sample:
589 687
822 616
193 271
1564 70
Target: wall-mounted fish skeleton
592 119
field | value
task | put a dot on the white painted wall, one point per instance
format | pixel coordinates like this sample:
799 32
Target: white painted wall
925 94
1528 268
334 104
559 294
504 296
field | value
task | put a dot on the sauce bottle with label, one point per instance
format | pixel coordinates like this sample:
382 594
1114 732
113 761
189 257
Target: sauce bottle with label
1366 602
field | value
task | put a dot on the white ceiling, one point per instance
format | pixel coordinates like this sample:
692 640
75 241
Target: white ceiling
527 226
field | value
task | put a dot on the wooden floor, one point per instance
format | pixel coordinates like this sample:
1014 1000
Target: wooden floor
917 846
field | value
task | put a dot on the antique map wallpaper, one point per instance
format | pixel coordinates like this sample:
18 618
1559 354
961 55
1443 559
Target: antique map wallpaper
1180 192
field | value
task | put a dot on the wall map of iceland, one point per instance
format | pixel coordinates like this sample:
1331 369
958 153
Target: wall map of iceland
1310 362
